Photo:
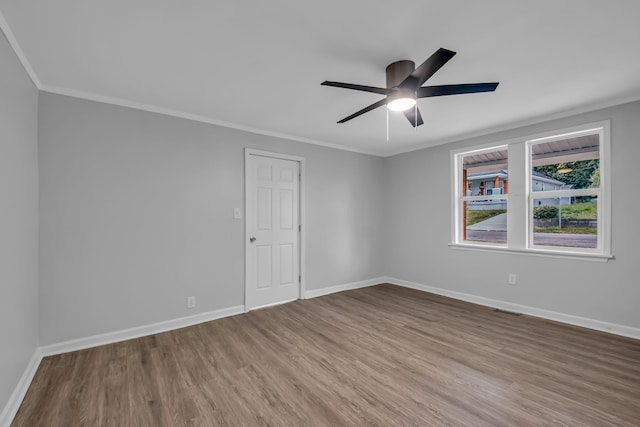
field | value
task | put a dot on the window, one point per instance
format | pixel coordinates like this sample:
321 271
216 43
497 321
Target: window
558 184
483 199
565 213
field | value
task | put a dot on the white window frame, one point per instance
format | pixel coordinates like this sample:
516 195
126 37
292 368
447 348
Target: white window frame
520 204
461 196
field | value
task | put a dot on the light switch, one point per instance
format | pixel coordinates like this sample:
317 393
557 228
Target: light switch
237 213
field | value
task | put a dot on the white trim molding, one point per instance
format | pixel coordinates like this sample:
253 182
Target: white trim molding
121 102
15 400
542 118
11 408
44 87
598 325
13 42
533 252
313 293
182 322
139 331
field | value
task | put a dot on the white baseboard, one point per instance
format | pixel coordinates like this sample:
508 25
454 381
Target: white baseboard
313 293
598 325
13 404
137 332
273 304
141 331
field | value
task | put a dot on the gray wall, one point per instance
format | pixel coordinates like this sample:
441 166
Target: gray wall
418 231
18 220
136 214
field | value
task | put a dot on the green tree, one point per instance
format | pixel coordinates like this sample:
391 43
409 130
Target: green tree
581 175
595 178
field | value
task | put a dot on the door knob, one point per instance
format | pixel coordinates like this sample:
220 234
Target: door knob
252 239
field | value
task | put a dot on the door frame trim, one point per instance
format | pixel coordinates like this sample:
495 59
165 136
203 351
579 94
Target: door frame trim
302 216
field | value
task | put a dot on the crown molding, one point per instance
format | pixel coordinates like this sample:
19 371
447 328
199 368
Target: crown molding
13 42
612 102
194 117
4 27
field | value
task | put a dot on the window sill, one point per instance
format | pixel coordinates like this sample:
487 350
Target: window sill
534 252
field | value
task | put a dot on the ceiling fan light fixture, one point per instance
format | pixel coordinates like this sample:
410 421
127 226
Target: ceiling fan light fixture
401 104
405 86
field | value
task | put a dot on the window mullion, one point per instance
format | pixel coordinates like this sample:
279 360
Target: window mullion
516 212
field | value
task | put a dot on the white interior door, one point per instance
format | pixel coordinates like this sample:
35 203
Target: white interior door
273 231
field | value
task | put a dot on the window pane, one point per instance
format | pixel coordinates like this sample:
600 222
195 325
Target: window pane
566 222
486 221
486 173
569 163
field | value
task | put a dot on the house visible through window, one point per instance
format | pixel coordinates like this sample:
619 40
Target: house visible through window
484 203
561 181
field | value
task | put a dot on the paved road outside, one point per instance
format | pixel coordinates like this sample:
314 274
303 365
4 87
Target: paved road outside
495 223
569 240
494 230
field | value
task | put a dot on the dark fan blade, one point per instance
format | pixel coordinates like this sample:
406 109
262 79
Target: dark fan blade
365 110
411 116
380 90
428 91
427 69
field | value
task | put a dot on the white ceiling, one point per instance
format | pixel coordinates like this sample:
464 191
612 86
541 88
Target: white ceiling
258 65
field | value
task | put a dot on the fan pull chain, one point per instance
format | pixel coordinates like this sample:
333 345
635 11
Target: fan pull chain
387 124
415 113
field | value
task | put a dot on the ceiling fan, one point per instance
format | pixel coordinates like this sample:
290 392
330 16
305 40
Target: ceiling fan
404 87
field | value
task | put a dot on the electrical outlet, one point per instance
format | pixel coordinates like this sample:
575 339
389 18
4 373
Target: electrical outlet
512 279
191 302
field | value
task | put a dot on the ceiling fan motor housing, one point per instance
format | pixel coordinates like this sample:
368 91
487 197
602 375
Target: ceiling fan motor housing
398 71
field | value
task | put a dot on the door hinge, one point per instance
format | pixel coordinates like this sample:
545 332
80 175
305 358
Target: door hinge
299 227
299 279
299 177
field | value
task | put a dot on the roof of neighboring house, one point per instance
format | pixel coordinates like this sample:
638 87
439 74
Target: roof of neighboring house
545 178
503 173
486 175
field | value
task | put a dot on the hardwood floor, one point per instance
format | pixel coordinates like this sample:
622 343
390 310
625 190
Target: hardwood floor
383 355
